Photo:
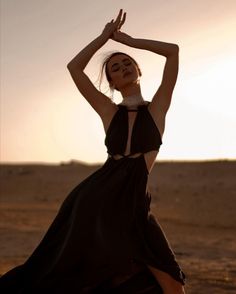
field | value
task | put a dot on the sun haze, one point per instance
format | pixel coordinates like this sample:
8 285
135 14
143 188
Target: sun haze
44 118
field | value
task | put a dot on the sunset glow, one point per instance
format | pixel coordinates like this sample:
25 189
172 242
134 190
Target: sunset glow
44 118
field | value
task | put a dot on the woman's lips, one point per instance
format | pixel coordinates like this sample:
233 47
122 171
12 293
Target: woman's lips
127 73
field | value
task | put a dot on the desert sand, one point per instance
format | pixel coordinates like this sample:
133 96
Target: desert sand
195 203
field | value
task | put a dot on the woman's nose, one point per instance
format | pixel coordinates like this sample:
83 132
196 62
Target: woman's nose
123 67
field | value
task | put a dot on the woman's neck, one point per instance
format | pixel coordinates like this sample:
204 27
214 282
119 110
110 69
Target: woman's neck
133 100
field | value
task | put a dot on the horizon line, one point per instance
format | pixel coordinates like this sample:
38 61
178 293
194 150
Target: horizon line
76 162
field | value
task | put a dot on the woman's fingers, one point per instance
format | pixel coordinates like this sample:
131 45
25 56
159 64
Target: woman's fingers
119 16
122 21
115 25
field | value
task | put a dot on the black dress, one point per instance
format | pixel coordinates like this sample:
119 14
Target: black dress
104 229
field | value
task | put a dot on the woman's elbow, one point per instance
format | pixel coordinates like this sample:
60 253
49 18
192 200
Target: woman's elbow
69 66
176 48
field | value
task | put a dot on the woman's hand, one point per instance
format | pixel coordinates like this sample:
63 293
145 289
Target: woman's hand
114 26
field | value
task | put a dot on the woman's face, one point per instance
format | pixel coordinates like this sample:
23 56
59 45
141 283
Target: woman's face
123 71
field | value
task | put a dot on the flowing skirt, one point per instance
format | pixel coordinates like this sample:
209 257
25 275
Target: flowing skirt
104 232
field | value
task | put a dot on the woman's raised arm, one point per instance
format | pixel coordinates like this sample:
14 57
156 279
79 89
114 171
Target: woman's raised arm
100 102
162 98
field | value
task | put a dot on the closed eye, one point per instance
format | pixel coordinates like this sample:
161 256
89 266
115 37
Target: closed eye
116 67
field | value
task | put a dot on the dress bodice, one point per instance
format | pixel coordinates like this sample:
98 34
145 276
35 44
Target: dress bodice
145 135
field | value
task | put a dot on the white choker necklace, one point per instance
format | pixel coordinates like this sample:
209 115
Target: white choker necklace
133 100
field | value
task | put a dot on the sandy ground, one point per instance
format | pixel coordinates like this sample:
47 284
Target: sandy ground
194 202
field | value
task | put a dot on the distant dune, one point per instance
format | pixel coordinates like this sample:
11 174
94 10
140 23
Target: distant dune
195 202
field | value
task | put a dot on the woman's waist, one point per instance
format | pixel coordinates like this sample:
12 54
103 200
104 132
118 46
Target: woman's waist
148 157
130 155
133 155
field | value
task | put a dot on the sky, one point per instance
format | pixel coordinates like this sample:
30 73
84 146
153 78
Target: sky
45 119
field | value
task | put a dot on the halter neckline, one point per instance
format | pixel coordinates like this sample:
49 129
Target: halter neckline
133 110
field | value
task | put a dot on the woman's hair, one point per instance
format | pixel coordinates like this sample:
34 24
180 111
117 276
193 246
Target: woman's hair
104 68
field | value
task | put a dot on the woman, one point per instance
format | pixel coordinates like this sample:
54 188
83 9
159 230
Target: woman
104 240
